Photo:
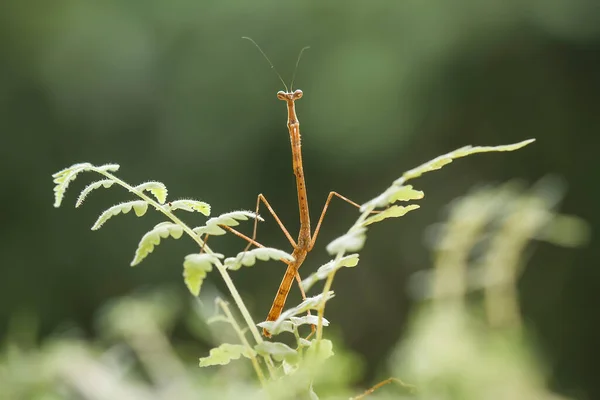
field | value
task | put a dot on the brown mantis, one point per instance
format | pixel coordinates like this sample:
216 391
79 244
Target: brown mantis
306 240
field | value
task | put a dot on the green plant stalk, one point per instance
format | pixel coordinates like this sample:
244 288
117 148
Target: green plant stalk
220 267
299 348
329 281
503 259
432 165
321 311
238 330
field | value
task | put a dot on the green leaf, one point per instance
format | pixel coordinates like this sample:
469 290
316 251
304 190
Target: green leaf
276 327
158 190
223 354
195 268
248 258
400 192
445 159
152 238
566 230
311 393
310 303
320 349
139 207
289 368
351 241
64 177
279 351
392 212
393 194
190 205
106 183
108 168
325 270
308 320
227 219
283 324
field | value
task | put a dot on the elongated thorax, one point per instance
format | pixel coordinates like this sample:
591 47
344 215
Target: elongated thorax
295 141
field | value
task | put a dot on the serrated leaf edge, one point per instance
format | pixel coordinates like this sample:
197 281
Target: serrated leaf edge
226 351
139 207
152 239
249 258
211 226
157 189
106 183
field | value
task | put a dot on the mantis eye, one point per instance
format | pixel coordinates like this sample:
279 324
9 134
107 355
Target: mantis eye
298 94
281 95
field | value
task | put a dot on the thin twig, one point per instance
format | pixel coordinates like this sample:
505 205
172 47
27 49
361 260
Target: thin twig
369 391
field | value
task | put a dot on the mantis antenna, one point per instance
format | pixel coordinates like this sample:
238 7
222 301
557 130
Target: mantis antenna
269 61
296 68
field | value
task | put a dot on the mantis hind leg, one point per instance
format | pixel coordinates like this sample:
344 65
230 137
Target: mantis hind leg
331 194
262 198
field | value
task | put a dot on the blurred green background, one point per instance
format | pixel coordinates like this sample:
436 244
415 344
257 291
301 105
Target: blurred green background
168 90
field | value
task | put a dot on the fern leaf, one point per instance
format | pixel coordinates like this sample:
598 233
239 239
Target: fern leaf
248 258
223 354
351 241
108 168
191 206
195 268
310 303
73 167
327 269
152 238
139 207
392 212
64 177
228 219
320 349
276 327
445 159
106 183
307 319
279 351
158 190
393 194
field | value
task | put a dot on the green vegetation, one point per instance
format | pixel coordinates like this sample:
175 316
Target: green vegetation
170 91
458 348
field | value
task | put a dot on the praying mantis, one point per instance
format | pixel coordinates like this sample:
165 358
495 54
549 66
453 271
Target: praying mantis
306 238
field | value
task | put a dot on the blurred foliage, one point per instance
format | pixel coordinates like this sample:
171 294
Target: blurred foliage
455 348
169 90
462 346
134 359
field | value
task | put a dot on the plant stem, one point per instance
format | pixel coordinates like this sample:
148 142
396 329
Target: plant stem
225 307
220 267
329 281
